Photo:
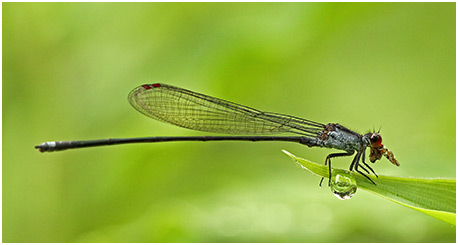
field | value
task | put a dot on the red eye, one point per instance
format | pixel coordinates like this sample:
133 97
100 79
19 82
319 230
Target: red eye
376 140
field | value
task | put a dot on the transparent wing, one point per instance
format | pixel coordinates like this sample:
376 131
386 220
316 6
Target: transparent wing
201 112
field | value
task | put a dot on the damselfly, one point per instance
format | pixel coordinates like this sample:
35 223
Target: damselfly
201 112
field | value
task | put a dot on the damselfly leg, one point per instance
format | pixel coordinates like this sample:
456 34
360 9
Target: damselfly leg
328 162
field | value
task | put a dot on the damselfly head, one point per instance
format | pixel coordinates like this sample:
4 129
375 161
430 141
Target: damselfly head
376 140
378 150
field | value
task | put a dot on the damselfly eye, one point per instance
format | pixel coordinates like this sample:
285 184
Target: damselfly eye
376 140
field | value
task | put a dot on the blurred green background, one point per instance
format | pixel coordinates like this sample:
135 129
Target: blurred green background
67 70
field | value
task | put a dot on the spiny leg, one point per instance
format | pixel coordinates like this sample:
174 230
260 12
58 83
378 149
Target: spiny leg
364 162
355 163
328 159
363 174
363 168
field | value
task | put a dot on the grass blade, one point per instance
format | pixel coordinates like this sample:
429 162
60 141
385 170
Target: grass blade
434 197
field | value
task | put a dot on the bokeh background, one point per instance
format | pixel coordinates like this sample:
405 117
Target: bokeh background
68 67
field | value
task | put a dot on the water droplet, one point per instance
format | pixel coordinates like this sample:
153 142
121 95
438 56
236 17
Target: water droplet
343 185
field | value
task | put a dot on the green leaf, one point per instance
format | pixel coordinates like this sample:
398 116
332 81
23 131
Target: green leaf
434 197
